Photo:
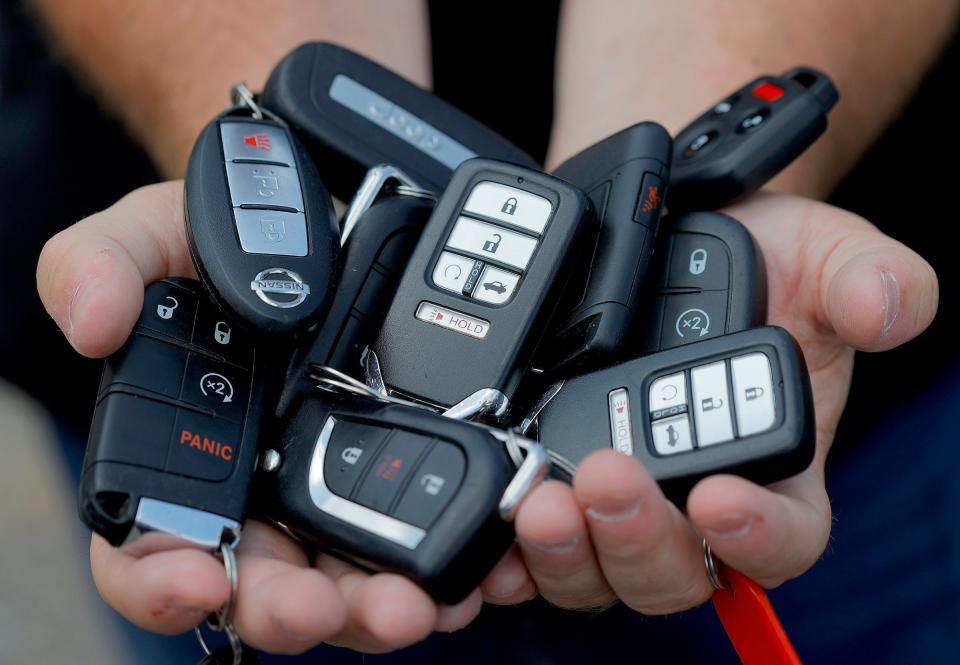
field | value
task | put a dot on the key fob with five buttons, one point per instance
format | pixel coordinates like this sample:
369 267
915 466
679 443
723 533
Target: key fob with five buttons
398 488
173 443
739 404
481 285
712 281
748 137
260 225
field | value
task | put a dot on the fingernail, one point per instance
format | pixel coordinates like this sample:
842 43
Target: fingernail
614 511
193 613
77 303
300 638
733 526
891 301
558 547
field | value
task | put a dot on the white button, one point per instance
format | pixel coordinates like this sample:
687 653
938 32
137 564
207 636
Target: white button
496 286
264 184
621 429
509 204
255 141
453 320
272 232
452 271
494 242
672 435
753 393
711 404
668 391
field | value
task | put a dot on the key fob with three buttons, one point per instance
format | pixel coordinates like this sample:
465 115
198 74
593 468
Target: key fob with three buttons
747 138
398 488
260 225
740 404
481 286
173 443
712 281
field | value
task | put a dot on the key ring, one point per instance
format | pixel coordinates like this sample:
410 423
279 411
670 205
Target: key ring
222 619
713 573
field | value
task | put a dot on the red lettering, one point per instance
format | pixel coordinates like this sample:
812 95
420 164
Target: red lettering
209 446
185 435
195 442
226 453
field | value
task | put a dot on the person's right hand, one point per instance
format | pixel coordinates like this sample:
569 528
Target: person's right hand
91 279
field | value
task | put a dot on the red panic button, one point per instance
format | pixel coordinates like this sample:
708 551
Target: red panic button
768 92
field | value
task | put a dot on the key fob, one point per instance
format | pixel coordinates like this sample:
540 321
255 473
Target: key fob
398 488
712 281
373 258
480 287
738 403
355 114
625 176
260 225
749 137
173 443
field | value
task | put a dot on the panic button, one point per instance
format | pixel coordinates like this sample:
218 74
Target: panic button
203 447
453 320
389 471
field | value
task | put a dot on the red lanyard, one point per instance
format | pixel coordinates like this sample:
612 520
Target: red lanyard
751 622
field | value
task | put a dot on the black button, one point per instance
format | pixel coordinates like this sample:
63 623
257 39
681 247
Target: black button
213 332
649 201
726 105
432 487
149 364
698 261
700 143
217 386
753 120
692 317
384 478
133 430
350 451
203 447
169 309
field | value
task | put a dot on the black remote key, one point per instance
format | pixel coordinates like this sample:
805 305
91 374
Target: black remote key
260 225
749 137
482 283
173 443
712 281
738 404
398 488
355 114
625 176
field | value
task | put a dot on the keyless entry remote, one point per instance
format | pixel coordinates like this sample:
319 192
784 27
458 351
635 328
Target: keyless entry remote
747 138
480 287
625 176
174 437
738 404
260 225
712 281
355 114
399 488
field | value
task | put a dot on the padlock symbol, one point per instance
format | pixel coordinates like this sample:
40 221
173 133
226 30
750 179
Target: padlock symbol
166 311
509 206
221 333
698 261
491 246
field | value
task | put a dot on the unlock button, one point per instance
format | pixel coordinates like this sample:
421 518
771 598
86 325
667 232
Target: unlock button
492 243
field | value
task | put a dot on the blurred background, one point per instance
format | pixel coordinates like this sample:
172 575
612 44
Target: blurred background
62 158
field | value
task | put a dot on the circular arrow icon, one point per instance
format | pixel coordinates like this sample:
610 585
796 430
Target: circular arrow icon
694 321
216 384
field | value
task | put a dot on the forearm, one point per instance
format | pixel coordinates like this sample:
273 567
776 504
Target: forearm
622 61
166 67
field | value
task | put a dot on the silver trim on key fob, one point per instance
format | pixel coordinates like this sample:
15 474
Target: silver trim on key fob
370 189
534 469
197 527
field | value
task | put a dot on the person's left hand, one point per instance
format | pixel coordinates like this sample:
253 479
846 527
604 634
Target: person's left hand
838 285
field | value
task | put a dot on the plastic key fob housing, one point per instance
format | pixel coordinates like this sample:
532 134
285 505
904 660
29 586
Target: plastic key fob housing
261 225
626 177
711 281
739 404
747 138
173 443
355 114
392 487
482 283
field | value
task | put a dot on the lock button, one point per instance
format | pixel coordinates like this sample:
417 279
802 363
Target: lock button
509 205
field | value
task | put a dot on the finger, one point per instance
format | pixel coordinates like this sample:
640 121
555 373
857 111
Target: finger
283 605
451 618
648 551
164 592
509 582
553 537
769 534
90 276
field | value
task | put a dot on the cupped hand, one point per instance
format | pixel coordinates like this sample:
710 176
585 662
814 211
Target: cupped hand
838 285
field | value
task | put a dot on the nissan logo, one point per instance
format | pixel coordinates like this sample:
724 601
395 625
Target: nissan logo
280 287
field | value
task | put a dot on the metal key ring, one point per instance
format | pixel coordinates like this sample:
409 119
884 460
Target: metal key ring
711 565
222 620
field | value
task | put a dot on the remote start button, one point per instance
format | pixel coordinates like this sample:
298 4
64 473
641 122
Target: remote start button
666 393
452 272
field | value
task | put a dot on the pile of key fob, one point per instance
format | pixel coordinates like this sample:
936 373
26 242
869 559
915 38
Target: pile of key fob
391 395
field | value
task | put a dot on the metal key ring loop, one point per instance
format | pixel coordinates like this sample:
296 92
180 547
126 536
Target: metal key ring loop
222 620
711 565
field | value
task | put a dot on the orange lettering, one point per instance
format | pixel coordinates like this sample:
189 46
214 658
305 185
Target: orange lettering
195 442
209 446
185 435
226 453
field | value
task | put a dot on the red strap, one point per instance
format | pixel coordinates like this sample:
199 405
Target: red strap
751 622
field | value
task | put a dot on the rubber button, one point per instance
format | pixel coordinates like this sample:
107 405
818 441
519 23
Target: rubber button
649 201
132 430
389 471
217 386
203 447
350 452
692 317
149 364
168 309
698 261
433 486
213 333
